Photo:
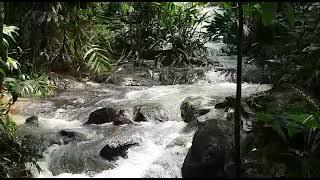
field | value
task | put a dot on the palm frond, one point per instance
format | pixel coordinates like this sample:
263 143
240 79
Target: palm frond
10 30
97 59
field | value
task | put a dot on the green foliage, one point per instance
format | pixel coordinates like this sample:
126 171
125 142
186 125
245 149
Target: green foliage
293 142
13 153
35 85
97 59
9 126
259 18
163 32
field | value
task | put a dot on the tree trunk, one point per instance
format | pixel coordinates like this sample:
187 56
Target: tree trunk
238 94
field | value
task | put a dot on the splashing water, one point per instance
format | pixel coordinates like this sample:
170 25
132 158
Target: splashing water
162 146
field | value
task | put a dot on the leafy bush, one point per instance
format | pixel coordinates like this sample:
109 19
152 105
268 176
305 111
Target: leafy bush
163 32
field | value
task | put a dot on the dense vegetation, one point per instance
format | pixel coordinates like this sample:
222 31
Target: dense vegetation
87 39
280 38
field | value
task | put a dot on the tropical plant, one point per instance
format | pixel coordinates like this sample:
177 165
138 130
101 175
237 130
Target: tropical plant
163 32
97 59
293 142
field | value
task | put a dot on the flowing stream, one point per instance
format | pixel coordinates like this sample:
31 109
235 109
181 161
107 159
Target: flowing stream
162 146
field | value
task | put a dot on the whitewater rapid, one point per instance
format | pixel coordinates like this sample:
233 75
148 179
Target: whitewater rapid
162 146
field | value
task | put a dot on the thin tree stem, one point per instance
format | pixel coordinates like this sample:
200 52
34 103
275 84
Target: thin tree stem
3 50
238 94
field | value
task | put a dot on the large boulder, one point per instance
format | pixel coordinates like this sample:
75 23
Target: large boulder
40 140
195 106
150 112
111 153
101 116
211 150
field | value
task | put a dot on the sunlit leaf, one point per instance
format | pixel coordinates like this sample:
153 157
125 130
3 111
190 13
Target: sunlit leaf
12 63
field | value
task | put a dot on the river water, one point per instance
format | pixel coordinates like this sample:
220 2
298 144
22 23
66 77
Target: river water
162 146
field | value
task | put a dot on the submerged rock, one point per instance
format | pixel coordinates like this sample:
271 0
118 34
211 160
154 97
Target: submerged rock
112 153
33 121
211 150
150 112
101 116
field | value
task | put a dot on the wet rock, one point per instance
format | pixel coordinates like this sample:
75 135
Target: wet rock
129 76
150 112
254 74
247 114
121 119
171 76
101 116
40 142
68 134
112 153
190 127
116 80
33 120
211 150
193 107
212 114
78 158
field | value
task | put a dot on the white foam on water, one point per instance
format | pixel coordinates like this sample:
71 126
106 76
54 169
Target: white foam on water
55 123
140 158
